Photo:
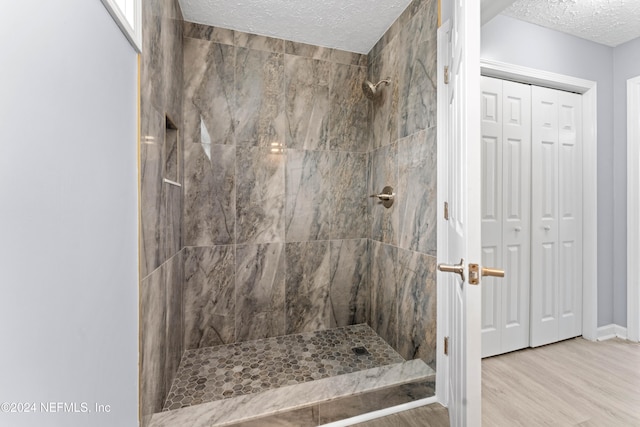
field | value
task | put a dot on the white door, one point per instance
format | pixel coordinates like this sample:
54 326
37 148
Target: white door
460 181
556 216
506 196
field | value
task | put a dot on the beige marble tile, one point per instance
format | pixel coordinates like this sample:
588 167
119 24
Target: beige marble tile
260 195
349 284
384 291
417 207
307 85
259 98
209 296
349 126
308 50
349 202
257 42
384 172
209 33
417 335
307 286
260 291
308 188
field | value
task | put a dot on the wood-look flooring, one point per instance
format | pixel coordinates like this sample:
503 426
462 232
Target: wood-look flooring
574 383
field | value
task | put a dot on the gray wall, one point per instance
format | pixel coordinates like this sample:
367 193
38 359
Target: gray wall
161 255
68 216
626 65
275 211
403 155
278 243
516 42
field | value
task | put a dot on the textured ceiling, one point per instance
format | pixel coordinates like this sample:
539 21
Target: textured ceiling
608 22
353 25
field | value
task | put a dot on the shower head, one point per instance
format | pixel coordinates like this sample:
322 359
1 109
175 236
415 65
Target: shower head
371 90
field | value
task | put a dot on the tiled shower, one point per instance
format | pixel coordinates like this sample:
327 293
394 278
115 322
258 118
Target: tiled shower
268 229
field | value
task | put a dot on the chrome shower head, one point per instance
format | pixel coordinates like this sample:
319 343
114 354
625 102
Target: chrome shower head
371 90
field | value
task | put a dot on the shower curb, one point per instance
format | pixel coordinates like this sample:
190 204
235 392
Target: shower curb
272 402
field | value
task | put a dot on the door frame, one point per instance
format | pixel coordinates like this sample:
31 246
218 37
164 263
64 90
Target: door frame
442 294
588 89
633 209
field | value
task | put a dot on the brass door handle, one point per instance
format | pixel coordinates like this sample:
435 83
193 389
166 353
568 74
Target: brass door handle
493 272
474 269
456 268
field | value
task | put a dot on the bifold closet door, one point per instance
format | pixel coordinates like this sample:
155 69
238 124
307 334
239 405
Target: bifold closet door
506 195
556 238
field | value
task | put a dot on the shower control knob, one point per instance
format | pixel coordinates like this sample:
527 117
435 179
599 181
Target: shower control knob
383 196
386 196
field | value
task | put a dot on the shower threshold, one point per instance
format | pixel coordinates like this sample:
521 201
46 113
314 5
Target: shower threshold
242 381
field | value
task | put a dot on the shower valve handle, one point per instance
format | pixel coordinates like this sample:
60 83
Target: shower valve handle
386 196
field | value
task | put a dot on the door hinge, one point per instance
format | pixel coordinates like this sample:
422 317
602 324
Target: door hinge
446 211
446 346
446 74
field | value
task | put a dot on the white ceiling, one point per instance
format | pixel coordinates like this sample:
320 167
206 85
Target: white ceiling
353 25
356 25
608 22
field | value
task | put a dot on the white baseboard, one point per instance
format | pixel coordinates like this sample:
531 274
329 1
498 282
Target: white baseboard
611 331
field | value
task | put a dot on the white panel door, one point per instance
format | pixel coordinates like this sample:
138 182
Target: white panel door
461 188
491 212
516 214
544 217
506 195
570 215
556 249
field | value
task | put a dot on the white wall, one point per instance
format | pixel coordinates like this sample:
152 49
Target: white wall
626 64
68 213
517 42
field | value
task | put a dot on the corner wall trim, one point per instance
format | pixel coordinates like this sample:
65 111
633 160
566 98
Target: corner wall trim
633 208
608 332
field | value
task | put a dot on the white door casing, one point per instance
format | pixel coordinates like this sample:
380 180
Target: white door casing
443 290
506 196
633 209
459 175
556 216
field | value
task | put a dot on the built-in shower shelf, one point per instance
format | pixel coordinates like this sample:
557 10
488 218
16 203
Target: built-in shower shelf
414 379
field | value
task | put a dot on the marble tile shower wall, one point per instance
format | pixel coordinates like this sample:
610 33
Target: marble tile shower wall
276 220
161 261
403 155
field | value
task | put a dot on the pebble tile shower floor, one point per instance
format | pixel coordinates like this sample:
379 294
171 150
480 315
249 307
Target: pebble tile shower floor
225 371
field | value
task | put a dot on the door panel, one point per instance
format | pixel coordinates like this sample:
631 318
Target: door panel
491 125
544 214
461 188
491 303
516 225
556 262
570 220
506 148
